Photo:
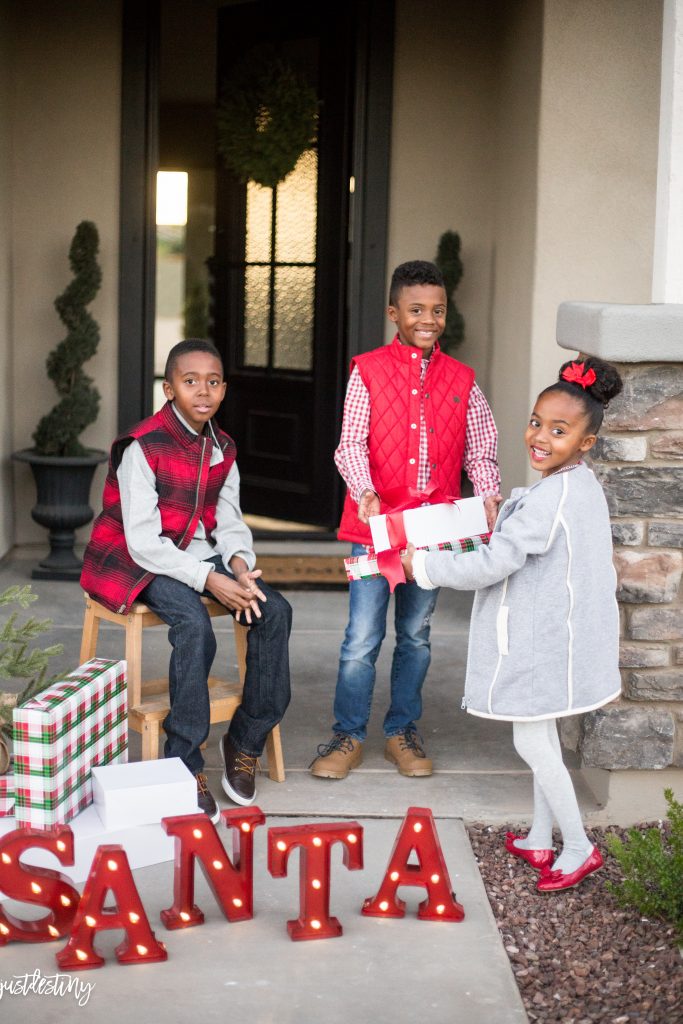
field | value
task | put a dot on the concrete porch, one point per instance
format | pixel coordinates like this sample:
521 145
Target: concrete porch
478 776
378 970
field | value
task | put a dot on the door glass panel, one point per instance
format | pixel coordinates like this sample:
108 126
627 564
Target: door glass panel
259 223
297 211
279 270
294 297
256 315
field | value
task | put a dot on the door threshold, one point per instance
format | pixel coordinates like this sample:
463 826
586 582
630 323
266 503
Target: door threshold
265 528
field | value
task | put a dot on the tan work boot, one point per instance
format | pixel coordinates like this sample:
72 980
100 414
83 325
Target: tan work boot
405 751
337 758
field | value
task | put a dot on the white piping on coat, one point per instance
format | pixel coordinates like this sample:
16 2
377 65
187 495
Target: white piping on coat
556 521
500 653
570 628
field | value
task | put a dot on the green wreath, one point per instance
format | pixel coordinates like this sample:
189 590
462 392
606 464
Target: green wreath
267 117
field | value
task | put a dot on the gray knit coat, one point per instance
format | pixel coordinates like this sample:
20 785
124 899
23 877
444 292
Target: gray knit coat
544 633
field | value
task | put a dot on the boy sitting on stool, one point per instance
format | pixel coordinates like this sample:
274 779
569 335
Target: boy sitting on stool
170 531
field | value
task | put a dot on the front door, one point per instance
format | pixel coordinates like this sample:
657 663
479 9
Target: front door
279 271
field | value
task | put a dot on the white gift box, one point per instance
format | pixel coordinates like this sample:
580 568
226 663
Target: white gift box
143 792
433 524
144 845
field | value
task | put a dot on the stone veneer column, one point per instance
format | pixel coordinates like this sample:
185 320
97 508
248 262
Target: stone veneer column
639 461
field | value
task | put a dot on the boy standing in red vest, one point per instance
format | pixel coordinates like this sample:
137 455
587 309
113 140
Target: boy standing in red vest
170 531
412 416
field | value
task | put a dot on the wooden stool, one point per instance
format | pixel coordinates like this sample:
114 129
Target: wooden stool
148 702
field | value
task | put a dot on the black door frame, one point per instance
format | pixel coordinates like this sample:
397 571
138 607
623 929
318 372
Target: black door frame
137 211
139 159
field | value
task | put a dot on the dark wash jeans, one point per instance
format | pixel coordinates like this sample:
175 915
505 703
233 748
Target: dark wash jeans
266 685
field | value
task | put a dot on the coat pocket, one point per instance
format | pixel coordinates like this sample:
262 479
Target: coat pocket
502 629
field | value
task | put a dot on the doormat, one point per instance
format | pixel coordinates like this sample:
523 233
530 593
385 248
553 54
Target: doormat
314 571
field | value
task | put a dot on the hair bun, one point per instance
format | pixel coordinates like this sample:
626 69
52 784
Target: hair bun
607 383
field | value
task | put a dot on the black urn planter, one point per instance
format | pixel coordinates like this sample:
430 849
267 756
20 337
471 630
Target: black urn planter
63 496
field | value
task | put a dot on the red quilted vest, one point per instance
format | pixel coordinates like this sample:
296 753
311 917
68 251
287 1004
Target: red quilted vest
188 491
392 376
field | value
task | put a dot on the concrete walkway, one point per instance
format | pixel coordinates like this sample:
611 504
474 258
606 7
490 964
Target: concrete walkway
391 971
478 776
381 971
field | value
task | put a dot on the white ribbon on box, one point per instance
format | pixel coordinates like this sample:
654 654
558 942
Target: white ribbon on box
434 524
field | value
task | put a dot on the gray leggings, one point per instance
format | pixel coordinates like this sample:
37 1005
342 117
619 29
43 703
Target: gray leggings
554 798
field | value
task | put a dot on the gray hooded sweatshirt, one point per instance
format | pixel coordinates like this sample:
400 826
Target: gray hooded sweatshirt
544 633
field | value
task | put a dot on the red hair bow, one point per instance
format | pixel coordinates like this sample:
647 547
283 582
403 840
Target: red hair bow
577 374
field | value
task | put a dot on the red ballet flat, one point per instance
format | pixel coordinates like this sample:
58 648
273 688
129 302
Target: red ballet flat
538 859
554 881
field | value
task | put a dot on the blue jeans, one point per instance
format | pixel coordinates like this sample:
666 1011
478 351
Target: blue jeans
368 601
266 685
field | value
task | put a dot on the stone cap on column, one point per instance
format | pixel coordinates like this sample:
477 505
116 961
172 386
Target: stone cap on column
622 333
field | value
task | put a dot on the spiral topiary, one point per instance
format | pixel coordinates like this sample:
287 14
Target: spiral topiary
450 264
57 433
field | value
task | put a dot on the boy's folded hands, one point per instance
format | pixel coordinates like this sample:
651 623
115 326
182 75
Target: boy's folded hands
240 594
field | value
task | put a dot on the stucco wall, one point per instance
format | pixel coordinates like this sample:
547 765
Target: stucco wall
442 170
516 161
531 128
597 163
65 168
6 401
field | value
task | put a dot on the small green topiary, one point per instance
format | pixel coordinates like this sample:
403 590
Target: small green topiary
449 263
196 310
20 661
652 863
57 433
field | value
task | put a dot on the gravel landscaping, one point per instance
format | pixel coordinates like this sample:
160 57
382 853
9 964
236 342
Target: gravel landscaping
577 956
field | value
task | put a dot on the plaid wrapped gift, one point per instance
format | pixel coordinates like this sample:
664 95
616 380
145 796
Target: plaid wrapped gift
77 723
364 567
6 795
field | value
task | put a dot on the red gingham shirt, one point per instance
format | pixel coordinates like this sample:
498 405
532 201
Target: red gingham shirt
481 441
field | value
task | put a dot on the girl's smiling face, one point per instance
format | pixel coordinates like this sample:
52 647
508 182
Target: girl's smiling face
556 436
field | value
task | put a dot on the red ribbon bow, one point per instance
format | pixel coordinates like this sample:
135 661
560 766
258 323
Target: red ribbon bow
394 503
578 374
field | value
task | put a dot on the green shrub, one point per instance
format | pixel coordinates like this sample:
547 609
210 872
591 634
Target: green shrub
652 864
18 660
450 264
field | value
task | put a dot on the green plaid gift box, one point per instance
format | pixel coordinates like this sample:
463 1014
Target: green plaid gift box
6 795
364 567
76 724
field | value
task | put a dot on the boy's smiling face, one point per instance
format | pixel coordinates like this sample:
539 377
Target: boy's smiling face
420 315
197 387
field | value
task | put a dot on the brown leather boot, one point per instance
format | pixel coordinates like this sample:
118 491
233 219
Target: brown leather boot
337 758
405 751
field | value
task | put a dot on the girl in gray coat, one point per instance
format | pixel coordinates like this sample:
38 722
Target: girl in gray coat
544 634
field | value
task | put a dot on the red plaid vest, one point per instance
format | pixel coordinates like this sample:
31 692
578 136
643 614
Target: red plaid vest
392 376
188 491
